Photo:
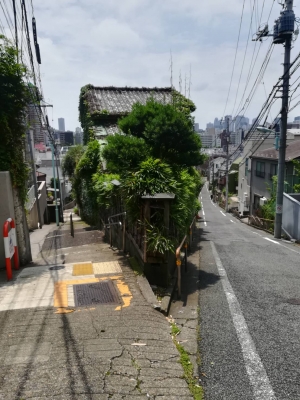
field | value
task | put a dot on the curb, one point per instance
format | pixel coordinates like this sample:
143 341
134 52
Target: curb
166 301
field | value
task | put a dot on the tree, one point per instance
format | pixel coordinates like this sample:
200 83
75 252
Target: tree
167 131
71 159
124 153
89 163
14 98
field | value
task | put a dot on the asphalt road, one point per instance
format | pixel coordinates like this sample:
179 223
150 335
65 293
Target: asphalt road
250 332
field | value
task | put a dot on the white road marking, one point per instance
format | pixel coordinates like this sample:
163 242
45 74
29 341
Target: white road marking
256 371
223 213
270 240
232 221
205 224
203 212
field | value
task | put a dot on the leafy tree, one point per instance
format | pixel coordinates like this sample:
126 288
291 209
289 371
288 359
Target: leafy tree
89 163
154 176
14 98
168 133
71 160
124 153
105 191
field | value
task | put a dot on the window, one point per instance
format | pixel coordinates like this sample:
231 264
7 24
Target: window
273 170
260 169
246 167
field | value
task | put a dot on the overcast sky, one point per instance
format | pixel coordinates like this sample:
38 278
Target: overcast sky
128 43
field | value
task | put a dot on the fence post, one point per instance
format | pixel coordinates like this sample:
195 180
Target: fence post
124 235
186 254
71 225
178 263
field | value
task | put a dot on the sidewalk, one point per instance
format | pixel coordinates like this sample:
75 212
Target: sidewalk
75 325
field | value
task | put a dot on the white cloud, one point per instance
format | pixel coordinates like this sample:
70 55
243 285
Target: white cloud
128 42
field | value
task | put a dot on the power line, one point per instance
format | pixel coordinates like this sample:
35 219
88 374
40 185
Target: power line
233 68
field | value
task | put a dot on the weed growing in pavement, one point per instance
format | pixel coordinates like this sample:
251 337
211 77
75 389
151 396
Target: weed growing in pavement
174 330
188 369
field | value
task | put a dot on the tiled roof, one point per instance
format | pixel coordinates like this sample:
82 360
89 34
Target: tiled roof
119 100
292 152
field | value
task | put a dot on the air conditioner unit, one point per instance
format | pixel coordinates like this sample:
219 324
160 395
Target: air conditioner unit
262 201
246 199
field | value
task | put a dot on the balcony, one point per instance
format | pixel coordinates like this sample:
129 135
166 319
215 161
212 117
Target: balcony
260 174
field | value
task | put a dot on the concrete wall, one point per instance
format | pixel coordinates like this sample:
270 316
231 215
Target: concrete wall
6 208
32 213
291 215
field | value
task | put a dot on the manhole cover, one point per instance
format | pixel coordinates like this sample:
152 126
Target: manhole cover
296 302
56 268
95 293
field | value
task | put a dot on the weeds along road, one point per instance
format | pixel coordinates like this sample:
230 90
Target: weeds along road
250 328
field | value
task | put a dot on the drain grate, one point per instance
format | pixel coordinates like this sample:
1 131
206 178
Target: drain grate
296 302
95 293
56 268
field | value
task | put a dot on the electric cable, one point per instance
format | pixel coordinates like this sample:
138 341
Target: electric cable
233 68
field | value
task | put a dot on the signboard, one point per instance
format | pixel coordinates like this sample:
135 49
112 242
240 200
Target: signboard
278 209
11 243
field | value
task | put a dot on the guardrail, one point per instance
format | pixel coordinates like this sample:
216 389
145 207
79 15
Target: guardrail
186 242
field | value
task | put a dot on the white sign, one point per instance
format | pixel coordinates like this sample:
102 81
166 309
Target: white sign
278 209
11 243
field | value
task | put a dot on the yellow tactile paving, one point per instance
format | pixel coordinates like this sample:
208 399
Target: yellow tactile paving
83 269
61 291
111 267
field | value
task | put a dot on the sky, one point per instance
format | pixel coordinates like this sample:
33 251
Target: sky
128 43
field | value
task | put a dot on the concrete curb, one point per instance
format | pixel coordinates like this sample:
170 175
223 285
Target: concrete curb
147 292
166 301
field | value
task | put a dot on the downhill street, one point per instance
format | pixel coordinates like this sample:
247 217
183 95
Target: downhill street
249 329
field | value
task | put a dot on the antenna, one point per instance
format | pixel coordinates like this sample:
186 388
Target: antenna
185 85
190 81
180 82
171 68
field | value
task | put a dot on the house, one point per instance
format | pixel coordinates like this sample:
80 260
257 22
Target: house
100 108
257 142
264 167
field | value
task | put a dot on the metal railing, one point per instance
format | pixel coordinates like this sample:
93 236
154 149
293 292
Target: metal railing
30 199
186 242
111 223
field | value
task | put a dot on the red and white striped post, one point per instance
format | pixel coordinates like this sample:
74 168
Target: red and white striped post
10 246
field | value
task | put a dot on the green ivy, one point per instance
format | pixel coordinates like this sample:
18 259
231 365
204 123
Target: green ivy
14 98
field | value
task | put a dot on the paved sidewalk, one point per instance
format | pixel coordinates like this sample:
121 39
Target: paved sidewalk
60 341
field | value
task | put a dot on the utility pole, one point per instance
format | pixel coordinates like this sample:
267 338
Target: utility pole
284 116
54 180
36 194
227 159
282 34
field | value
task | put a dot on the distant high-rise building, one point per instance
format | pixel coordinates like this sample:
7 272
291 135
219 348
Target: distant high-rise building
209 125
216 123
61 124
196 127
68 138
78 136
